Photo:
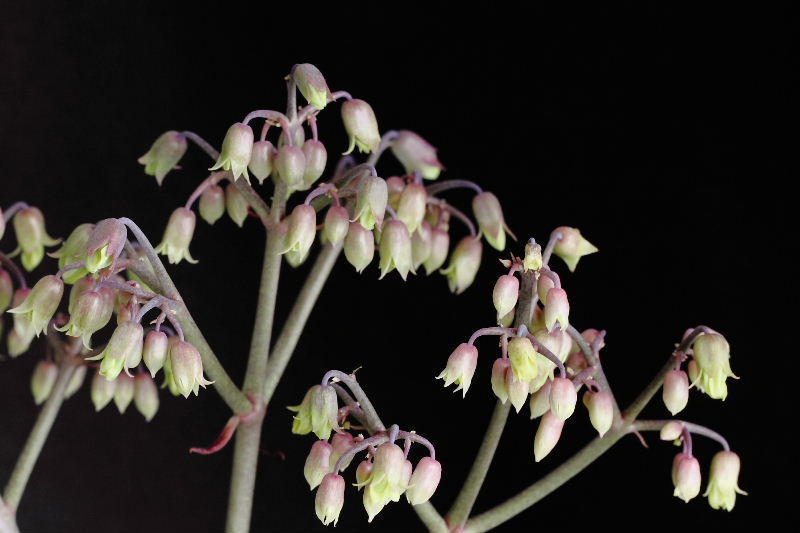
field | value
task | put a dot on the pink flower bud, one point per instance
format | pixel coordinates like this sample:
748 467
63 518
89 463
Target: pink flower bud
464 264
312 85
712 355
145 396
123 394
359 246
723 483
317 463
675 391
540 400
105 244
163 155
440 245
517 391
34 313
330 499
411 206
572 246
74 250
31 236
42 381
416 155
685 477
341 444
212 203
543 286
124 350
6 289
601 410
533 257
237 148
563 397
547 435
177 236
421 244
395 249
186 369
302 227
505 294
316 158
371 198
102 391
337 222
261 160
671 431
460 367
556 310
500 368
75 381
235 204
363 473
424 481
489 214
361 126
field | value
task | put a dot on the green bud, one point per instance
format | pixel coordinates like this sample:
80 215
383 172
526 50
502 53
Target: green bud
42 381
235 204
261 160
123 394
290 163
440 245
75 381
361 126
359 246
212 203
92 311
316 158
301 229
523 358
337 222
145 396
102 391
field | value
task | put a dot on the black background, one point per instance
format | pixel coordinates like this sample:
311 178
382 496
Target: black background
638 125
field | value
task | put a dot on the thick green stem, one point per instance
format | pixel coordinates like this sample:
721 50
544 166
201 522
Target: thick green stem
41 429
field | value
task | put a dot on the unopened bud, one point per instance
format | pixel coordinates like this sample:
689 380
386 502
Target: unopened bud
505 294
361 126
102 391
601 410
17 344
317 463
547 435
163 155
424 481
672 431
290 164
723 482
685 477
489 214
372 196
212 203
395 249
533 257
177 236
261 160
123 394
523 358
572 246
316 158
31 236
105 244
517 391
92 310
235 204
237 148
312 85
301 229
440 245
675 391
540 400
543 286
337 222
464 264
330 499
416 155
359 246
563 397
411 206
363 472
42 381
556 311
712 355
34 313
75 381
500 368
421 241
341 443
460 367
145 396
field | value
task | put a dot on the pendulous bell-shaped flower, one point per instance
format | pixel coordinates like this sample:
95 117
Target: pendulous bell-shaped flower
301 229
505 294
686 477
154 351
489 214
424 481
395 249
600 405
92 310
523 358
123 393
145 396
185 375
361 126
312 85
330 499
460 367
177 236
723 482
75 382
411 206
464 264
316 159
563 397
105 243
235 204
572 246
372 196
123 351
712 357
556 310
163 155
290 166
102 391
31 236
440 245
416 155
237 148
73 251
34 312
318 412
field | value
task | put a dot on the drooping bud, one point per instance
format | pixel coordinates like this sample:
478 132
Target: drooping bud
145 396
363 472
572 246
547 435
712 355
337 222
212 203
74 250
540 400
533 257
416 155
42 381
290 164
123 394
318 412
75 381
601 410
177 236
424 481
34 313
464 264
237 148
388 479
17 344
501 366
317 463
6 289
261 160
312 85
124 350
460 367
341 444
395 185
154 351
489 214
32 236
163 155
563 397
517 391
395 249
316 158
105 244
186 368
361 126
505 294
440 245
723 482
359 246
556 311
92 310
672 430
685 477
102 391
330 499
543 286
235 204
421 241
523 358
301 229
411 206
372 196
675 391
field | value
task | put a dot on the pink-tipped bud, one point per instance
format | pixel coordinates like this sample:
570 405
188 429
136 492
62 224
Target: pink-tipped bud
330 499
177 236
154 351
489 215
359 246
105 243
6 289
533 257
563 397
395 249
262 159
421 244
75 382
317 463
517 391
500 368
672 430
416 155
371 198
212 203
163 155
424 481
547 435
235 204
186 369
601 410
145 396
316 158
290 164
363 473
411 206
543 286
557 310
302 227
123 394
723 482
460 367
337 222
505 294
42 381
312 85
572 246
464 264
102 391
540 400
237 148
675 391
361 126
440 245
685 477
34 312
341 444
